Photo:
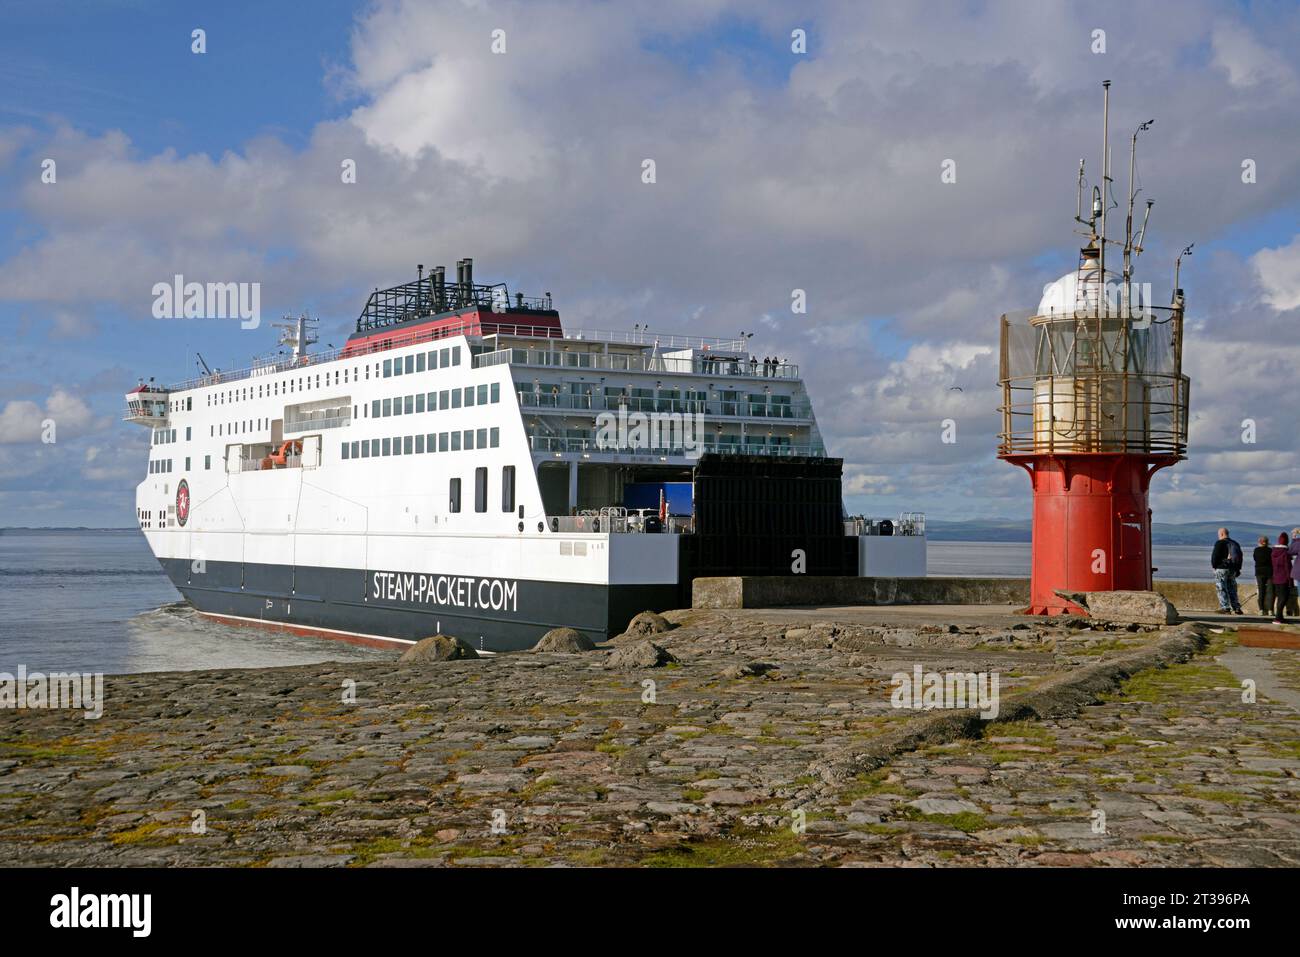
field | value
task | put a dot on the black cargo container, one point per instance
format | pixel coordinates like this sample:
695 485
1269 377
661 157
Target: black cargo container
753 511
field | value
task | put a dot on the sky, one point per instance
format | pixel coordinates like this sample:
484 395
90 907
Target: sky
776 169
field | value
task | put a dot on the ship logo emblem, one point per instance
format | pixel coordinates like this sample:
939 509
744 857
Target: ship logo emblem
182 503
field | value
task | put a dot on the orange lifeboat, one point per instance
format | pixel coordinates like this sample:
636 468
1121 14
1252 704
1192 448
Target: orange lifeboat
280 457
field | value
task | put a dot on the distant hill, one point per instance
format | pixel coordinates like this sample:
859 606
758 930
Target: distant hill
1204 533
1162 533
991 530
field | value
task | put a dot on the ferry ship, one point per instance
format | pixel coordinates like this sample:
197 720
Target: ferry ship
467 465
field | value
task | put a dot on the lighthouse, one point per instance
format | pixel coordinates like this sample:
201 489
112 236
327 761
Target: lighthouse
1094 403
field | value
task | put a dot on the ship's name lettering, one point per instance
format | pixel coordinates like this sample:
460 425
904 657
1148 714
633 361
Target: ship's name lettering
455 591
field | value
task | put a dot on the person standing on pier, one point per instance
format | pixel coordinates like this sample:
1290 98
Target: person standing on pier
1263 556
1282 582
1226 560
1293 606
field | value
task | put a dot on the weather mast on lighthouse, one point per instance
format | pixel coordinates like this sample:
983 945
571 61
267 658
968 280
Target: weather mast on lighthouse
1094 403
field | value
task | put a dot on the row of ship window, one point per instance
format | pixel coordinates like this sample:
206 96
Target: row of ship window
420 361
464 441
238 428
169 436
481 492
465 397
163 466
433 359
433 401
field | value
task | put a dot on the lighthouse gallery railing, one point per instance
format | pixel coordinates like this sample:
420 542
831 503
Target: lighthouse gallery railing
1093 383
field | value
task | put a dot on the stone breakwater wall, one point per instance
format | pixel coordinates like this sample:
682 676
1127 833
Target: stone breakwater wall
748 737
827 590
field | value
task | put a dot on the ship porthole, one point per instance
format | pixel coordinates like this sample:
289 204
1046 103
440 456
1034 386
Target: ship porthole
541 526
521 526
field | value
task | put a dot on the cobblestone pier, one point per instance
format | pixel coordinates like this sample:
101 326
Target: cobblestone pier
748 749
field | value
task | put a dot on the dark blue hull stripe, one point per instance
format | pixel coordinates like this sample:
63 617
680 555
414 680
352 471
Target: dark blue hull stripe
495 614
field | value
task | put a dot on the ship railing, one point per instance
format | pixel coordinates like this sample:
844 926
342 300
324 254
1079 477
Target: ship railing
907 524
611 403
147 415
912 523
603 522
323 422
256 464
499 357
622 362
560 444
487 327
399 339
642 337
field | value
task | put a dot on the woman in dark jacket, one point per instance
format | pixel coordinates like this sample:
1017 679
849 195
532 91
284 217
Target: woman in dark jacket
1281 578
1263 556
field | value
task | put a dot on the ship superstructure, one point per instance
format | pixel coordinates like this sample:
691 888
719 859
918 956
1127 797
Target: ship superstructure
465 464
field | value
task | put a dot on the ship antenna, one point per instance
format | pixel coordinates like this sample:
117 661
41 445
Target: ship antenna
296 334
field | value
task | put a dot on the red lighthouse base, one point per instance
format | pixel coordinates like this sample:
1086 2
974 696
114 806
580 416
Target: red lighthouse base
1092 525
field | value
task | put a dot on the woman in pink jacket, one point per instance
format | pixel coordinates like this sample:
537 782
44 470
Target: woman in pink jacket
1293 606
1282 583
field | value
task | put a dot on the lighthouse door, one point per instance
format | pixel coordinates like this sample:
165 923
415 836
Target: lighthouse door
1131 540
1132 564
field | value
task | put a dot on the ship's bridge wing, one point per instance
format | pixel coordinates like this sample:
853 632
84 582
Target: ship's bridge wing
148 405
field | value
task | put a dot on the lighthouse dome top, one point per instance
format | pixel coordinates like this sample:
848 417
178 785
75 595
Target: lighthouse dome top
1081 291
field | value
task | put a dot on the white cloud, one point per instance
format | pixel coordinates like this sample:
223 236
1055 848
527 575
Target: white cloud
825 179
24 421
119 464
1279 274
862 483
1245 60
20 422
72 324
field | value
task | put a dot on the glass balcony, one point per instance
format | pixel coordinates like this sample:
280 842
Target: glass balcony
560 444
623 362
567 402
